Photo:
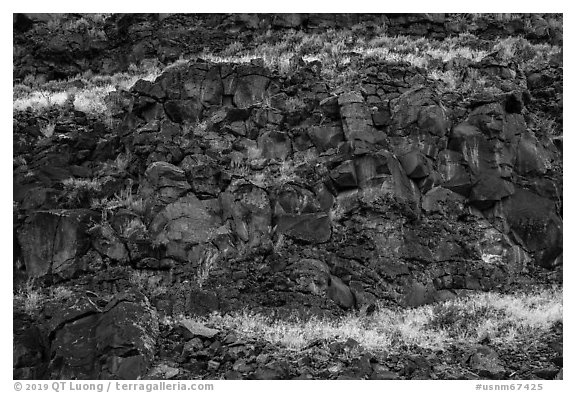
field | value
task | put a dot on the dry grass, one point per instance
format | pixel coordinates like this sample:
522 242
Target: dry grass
60 293
79 191
123 199
38 96
119 165
504 319
73 184
29 297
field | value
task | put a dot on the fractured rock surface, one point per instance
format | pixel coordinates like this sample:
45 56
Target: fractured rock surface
225 186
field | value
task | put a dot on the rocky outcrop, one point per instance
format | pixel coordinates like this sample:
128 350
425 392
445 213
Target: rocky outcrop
455 200
224 186
90 338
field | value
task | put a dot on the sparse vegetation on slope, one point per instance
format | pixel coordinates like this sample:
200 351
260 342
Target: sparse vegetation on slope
501 319
86 92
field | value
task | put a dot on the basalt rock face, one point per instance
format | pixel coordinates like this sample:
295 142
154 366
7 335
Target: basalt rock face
214 192
445 195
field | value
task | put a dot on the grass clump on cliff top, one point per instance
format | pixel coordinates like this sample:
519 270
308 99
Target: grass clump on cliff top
336 49
86 91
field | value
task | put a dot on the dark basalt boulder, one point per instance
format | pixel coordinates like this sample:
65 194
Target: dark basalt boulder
251 86
344 176
415 164
114 342
326 137
186 220
489 190
372 170
107 243
420 108
310 228
276 145
250 213
31 349
532 158
87 338
294 199
486 362
204 175
356 118
53 242
340 293
442 200
183 111
533 220
164 183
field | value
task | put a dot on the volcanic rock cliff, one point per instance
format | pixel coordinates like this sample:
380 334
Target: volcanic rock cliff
242 186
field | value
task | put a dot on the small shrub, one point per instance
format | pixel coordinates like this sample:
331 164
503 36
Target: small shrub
60 293
122 162
232 49
124 199
452 316
307 157
80 191
31 298
34 81
543 125
118 166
